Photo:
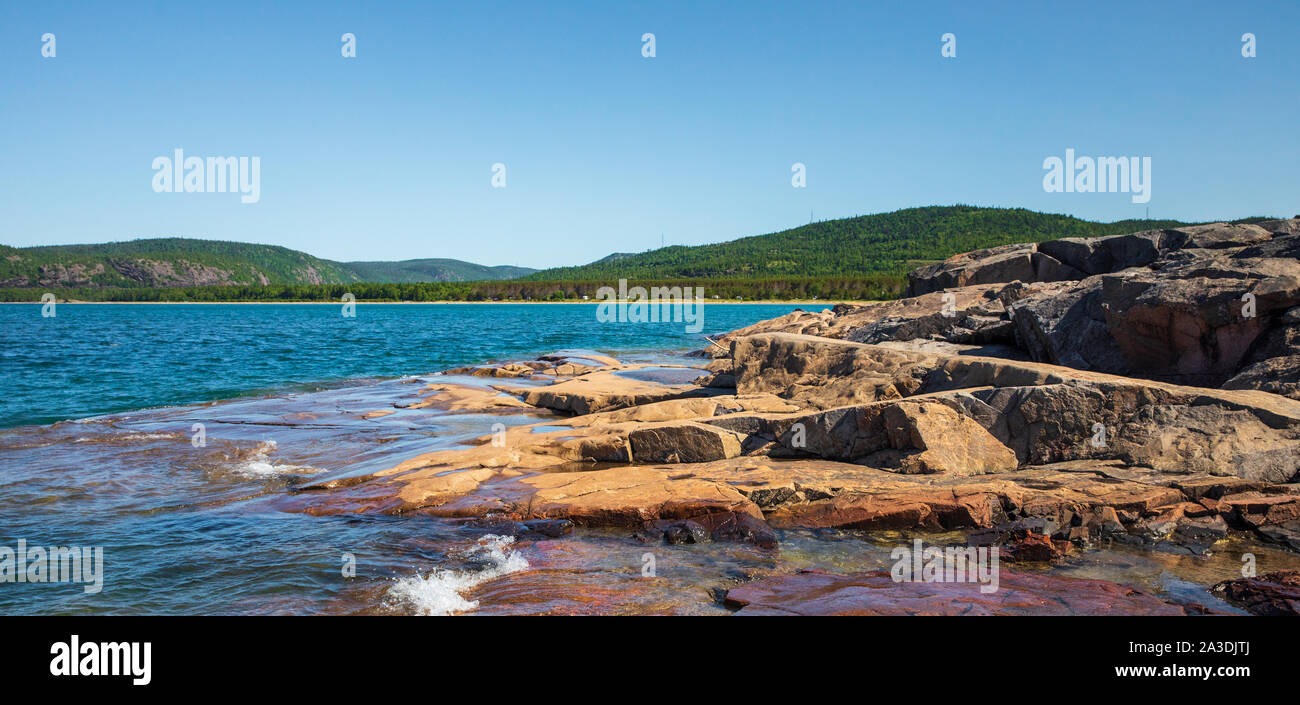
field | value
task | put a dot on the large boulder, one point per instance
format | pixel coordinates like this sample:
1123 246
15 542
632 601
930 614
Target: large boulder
1006 263
1191 323
923 437
974 315
1113 253
682 442
1043 413
1065 324
1171 429
1102 255
1186 322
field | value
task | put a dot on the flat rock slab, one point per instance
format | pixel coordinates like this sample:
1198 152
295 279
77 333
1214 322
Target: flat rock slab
605 391
876 593
683 409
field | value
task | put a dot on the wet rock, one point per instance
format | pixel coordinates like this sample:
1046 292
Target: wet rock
1272 594
921 452
720 526
1010 531
673 532
1034 548
1025 540
549 528
532 529
876 593
1205 530
1287 534
739 527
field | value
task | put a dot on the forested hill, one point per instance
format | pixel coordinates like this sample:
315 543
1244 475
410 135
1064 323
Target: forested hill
432 270
885 243
185 262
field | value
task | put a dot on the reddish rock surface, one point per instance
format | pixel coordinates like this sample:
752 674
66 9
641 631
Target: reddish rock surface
876 593
1272 594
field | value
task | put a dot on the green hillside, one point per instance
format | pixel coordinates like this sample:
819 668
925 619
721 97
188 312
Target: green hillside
885 243
165 262
431 270
184 262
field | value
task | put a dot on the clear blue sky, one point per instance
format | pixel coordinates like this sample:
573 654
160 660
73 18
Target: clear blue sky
389 155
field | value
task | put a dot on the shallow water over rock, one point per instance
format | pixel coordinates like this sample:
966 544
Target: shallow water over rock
198 529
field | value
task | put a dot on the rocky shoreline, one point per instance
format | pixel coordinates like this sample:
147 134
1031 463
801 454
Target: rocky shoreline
1045 398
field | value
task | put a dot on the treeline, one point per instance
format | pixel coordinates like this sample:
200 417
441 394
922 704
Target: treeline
871 287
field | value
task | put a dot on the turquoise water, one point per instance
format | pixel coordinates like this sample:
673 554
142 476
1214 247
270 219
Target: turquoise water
283 393
92 359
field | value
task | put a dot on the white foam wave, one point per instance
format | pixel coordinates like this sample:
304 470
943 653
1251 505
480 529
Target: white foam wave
118 438
441 592
147 436
259 464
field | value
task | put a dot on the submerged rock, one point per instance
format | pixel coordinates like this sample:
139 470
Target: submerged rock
1273 594
876 593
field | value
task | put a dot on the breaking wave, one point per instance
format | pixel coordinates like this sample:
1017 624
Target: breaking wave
258 464
441 592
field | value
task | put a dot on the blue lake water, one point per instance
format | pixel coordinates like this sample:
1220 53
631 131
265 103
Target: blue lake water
98 451
92 359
